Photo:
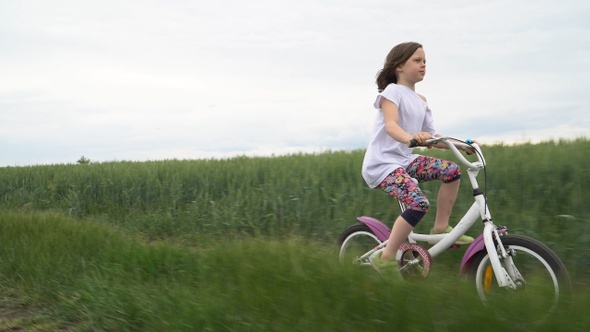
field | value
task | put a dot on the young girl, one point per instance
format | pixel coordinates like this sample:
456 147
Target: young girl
390 164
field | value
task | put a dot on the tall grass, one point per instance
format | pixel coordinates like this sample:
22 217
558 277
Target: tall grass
249 243
97 279
535 189
303 194
539 189
311 195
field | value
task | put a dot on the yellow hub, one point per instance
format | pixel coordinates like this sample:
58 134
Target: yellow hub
487 280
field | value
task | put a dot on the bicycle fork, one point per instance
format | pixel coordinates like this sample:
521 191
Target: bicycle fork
496 250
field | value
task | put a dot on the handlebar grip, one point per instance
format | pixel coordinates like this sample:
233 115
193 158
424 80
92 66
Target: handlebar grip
412 143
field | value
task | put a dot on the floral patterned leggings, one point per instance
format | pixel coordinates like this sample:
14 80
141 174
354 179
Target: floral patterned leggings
400 184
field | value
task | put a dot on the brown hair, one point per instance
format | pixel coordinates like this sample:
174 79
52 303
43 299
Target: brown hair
396 57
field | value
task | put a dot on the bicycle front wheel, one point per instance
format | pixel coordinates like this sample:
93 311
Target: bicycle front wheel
541 281
356 244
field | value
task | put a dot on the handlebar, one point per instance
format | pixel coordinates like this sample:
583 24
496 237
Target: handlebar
453 143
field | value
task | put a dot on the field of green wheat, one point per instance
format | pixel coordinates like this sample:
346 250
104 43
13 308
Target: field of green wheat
249 244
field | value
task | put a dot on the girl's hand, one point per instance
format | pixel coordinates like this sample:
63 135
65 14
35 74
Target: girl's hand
421 137
469 150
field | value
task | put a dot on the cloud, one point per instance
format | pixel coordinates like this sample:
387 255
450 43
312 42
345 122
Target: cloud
131 80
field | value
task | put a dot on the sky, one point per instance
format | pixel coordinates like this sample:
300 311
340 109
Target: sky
138 80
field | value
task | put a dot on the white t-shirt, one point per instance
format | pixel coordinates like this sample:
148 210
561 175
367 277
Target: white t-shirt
384 154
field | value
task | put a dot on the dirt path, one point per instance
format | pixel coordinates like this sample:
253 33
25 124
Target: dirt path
16 317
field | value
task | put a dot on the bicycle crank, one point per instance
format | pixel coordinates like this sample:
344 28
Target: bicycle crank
414 262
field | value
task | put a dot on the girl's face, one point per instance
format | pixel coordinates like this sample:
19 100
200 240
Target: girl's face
413 70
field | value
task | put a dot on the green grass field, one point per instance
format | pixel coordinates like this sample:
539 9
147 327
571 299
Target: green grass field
249 244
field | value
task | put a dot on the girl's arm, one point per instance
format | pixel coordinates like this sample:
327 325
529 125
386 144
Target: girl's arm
390 116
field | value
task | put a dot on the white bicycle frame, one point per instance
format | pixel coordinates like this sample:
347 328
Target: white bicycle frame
478 211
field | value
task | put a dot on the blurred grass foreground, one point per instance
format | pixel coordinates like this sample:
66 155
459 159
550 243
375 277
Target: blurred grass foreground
249 244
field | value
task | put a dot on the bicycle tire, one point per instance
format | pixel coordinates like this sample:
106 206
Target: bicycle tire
545 285
355 241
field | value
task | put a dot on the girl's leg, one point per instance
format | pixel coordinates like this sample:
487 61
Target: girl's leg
447 194
402 186
429 168
399 233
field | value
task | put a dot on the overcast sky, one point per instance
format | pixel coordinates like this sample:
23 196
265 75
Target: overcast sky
151 80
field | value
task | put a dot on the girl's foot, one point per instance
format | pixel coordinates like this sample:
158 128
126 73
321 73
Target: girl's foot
389 266
464 239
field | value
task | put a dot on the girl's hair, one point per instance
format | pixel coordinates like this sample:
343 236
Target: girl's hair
396 57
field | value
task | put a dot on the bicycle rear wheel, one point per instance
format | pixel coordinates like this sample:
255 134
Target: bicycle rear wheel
355 243
541 278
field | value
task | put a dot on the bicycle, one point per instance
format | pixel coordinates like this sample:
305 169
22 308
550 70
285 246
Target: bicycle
496 260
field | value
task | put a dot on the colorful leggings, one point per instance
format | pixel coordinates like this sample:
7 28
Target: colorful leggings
400 185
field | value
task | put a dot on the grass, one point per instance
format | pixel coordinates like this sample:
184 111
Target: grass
248 244
528 187
90 277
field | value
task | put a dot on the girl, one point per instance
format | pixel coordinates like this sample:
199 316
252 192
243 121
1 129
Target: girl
390 164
